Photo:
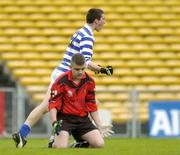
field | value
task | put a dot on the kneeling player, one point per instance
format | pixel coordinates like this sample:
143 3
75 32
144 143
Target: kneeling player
72 99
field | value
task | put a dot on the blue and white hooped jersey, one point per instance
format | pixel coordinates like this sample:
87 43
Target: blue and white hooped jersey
81 42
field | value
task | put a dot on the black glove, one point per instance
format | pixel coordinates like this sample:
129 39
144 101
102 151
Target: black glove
107 70
57 126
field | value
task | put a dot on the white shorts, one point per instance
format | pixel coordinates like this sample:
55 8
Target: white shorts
55 74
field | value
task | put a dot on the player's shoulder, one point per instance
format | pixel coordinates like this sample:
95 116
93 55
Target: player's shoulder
85 32
89 78
62 77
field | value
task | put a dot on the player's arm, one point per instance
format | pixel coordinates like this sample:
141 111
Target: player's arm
108 70
105 131
55 100
53 114
95 117
55 104
86 46
92 66
93 111
55 124
91 104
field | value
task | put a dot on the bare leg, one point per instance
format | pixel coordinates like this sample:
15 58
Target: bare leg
38 112
20 136
94 138
61 140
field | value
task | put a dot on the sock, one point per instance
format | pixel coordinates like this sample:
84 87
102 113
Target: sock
25 130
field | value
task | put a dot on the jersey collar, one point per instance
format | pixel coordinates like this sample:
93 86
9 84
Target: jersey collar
89 28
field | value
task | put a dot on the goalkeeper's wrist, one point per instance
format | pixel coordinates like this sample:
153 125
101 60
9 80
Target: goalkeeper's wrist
102 70
54 123
99 128
98 68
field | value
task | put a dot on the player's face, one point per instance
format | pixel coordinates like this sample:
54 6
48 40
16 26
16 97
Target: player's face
100 23
77 71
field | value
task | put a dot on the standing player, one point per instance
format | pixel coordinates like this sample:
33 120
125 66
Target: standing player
72 99
81 42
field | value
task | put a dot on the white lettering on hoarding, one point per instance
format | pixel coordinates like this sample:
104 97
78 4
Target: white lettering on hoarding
175 122
169 125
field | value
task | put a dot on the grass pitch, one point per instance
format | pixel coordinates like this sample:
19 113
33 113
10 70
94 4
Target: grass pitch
114 146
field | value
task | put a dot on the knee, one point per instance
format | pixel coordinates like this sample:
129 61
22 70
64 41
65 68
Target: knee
60 145
98 144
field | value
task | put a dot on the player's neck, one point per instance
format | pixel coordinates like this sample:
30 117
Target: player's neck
76 81
91 26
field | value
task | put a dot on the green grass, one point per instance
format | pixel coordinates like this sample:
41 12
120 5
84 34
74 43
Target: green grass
114 146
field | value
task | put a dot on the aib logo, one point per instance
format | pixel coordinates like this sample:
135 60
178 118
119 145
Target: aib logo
164 119
167 124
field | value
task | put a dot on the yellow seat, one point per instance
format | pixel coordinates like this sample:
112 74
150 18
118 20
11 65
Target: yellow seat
165 96
16 63
31 72
38 97
111 105
11 56
34 81
146 96
37 88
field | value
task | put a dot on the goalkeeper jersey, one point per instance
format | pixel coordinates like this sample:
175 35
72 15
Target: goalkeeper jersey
73 99
81 42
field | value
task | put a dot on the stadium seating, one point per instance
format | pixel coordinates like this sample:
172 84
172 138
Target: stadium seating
141 40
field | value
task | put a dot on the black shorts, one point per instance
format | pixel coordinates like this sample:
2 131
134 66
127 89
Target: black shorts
76 125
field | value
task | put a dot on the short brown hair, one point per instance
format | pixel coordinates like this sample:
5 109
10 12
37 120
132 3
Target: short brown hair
92 14
78 59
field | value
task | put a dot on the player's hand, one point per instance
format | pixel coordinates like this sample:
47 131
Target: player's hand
57 126
106 131
108 70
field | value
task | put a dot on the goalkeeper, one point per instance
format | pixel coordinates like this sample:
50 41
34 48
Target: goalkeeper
72 99
81 42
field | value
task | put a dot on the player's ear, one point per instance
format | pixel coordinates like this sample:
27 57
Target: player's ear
96 21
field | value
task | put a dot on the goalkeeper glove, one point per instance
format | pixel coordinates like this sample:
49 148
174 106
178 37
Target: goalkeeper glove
108 70
106 131
57 126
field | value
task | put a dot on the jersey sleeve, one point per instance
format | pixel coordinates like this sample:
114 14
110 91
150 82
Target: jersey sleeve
55 100
91 105
86 48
